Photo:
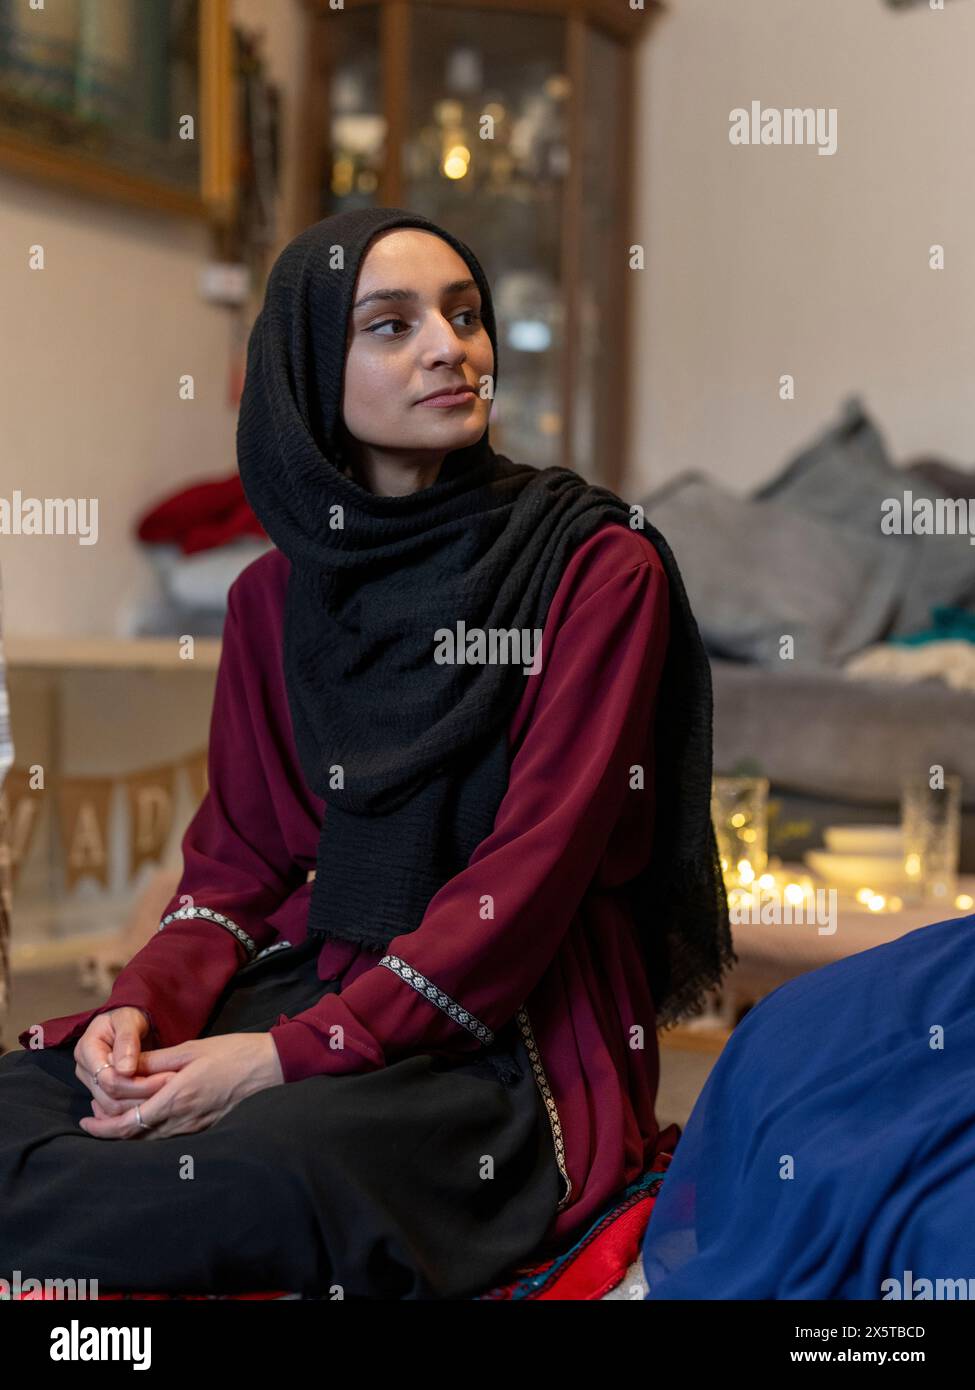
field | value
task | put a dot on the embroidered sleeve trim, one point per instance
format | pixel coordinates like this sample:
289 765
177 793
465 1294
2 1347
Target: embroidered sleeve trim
436 996
275 946
184 913
541 1081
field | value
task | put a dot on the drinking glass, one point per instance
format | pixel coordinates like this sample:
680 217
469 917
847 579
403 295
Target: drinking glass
931 826
739 810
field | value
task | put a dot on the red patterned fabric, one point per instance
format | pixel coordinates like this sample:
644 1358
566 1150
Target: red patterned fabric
598 1261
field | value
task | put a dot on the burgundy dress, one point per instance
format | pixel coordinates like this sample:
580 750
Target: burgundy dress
534 939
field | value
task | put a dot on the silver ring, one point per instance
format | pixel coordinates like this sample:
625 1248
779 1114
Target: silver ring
138 1116
94 1075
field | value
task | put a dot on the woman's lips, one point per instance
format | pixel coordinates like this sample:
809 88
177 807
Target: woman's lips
452 398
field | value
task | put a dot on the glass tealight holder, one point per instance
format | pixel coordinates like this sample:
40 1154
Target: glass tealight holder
739 810
931 827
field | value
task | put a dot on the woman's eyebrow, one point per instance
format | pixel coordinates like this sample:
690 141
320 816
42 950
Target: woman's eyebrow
453 288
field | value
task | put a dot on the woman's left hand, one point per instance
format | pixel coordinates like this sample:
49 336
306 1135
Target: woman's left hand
210 1076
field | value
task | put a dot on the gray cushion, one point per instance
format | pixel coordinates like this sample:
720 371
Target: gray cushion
843 478
755 571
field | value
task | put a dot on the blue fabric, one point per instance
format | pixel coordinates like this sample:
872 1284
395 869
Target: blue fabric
948 623
840 1070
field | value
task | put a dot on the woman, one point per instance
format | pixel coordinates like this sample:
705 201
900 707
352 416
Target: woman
831 1154
400 1017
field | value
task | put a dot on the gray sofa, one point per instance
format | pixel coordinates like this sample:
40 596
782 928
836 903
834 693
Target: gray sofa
804 558
834 750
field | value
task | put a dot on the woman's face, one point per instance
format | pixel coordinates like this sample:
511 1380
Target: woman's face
415 330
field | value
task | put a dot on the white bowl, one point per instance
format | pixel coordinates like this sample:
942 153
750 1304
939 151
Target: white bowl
864 839
878 871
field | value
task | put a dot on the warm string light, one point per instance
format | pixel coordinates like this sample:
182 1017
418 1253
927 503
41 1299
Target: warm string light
744 889
456 162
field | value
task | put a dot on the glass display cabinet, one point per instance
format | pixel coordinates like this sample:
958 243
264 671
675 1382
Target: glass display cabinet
509 123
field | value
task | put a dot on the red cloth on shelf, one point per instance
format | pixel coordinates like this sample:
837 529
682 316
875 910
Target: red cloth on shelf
201 517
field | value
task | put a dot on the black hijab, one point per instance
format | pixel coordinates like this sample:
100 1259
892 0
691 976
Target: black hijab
411 756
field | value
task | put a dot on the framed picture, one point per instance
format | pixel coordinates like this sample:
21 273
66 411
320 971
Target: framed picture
123 99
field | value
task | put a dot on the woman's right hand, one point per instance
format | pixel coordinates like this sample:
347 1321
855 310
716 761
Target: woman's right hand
112 1046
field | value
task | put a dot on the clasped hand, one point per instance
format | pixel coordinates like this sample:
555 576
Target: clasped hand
179 1089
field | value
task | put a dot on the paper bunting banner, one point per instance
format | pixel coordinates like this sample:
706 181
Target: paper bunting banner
84 808
196 771
21 813
83 805
150 802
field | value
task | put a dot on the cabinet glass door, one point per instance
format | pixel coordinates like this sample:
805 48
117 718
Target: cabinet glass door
485 154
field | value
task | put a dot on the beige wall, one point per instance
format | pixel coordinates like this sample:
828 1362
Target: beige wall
760 261
769 259
90 356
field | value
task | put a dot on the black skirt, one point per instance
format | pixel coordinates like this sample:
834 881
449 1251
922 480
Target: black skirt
429 1178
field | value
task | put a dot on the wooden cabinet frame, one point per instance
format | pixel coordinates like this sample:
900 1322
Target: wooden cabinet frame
615 19
216 130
